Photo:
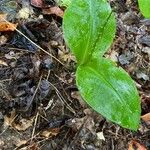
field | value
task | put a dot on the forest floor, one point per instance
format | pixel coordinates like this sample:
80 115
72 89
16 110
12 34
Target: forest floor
40 106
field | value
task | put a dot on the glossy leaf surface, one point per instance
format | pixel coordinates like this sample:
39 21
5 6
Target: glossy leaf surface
89 27
145 7
110 91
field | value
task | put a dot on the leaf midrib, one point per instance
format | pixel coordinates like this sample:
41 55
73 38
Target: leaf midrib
86 53
100 33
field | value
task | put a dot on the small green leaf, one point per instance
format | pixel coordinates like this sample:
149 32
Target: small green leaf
110 91
145 7
89 28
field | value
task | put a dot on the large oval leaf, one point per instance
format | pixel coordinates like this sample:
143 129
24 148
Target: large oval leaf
145 7
89 27
110 91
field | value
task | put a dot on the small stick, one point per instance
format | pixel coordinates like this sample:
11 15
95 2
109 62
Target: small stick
35 44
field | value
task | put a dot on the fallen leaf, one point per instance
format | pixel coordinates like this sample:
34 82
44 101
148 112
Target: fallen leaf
125 59
86 122
141 75
3 40
37 3
146 50
100 136
24 13
2 17
3 63
146 117
66 57
114 56
23 124
21 142
1 143
76 95
8 120
76 123
50 132
53 10
5 25
134 144
33 146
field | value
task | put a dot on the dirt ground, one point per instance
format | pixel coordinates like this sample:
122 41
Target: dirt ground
40 106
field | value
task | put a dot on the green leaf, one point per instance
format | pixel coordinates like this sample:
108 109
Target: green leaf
145 7
110 91
89 28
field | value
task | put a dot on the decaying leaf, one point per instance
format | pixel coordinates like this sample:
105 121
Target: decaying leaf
77 95
86 122
24 13
54 10
2 17
146 117
66 57
5 25
8 120
50 132
100 136
3 63
33 146
37 3
22 125
134 144
21 142
3 40
2 143
141 75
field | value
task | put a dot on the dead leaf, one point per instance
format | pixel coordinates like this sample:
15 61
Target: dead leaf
141 75
100 136
146 117
113 56
8 120
21 142
1 143
37 3
53 10
33 146
134 144
23 124
50 132
86 122
2 17
5 25
77 95
3 63
3 40
24 13
66 57
76 123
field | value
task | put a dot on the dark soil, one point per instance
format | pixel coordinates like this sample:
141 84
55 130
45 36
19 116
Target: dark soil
40 106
